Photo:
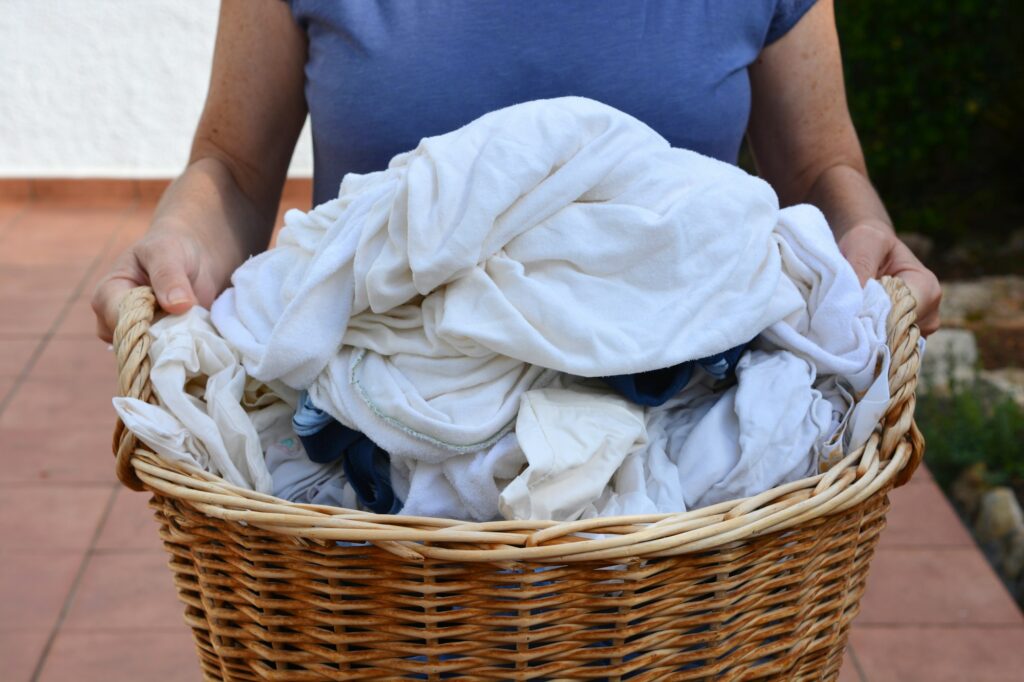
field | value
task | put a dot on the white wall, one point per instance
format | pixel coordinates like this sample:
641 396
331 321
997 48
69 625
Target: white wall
105 88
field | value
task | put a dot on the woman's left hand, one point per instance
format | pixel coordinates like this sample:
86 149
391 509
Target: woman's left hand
875 251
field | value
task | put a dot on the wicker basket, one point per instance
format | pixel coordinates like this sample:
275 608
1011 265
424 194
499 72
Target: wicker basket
760 588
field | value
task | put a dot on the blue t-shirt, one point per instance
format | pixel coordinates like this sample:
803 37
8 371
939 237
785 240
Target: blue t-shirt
381 75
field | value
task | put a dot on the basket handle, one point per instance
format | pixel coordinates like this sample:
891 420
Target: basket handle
902 336
137 308
131 345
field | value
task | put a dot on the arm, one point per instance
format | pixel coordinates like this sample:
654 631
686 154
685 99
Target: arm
222 207
805 145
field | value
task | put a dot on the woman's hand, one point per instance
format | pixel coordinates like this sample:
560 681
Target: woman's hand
222 208
875 250
174 262
805 145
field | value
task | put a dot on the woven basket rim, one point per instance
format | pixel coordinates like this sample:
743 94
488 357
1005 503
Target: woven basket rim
890 457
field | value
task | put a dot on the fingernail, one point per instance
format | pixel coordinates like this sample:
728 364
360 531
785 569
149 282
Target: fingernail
177 295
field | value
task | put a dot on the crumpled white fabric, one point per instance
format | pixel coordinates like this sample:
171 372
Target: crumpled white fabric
840 327
162 432
594 454
199 382
561 234
299 479
423 303
295 476
234 427
465 486
573 439
813 389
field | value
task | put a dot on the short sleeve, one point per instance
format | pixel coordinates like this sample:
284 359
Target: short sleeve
787 14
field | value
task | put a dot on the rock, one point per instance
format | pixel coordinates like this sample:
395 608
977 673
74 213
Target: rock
964 301
999 516
987 298
1013 558
968 488
921 245
1007 380
1007 292
949 358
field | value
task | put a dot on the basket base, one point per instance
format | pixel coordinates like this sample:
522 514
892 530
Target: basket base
264 606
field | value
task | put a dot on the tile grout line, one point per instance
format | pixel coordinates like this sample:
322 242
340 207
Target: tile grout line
122 218
856 664
76 581
48 335
14 218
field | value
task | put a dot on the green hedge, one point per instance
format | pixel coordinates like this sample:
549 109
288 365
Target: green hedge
936 90
972 426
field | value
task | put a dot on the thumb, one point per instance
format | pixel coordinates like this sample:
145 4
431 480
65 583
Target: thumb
168 267
866 251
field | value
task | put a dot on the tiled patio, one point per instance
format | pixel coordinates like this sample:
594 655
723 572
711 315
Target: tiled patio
84 593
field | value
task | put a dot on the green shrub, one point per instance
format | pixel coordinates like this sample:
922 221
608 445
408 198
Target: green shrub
972 426
937 94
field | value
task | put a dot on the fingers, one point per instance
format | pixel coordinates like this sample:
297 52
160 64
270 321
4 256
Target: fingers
873 252
928 294
165 262
865 248
106 301
923 284
169 268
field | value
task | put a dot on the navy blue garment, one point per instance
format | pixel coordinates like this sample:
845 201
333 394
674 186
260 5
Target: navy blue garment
658 386
382 74
367 467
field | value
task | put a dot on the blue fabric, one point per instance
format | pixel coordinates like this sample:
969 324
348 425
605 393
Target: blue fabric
381 75
367 467
658 386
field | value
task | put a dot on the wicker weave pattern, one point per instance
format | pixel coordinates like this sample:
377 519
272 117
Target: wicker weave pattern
763 588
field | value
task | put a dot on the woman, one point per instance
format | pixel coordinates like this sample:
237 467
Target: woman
378 76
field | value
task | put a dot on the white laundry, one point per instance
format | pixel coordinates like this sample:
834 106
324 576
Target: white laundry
199 381
268 410
299 479
574 439
465 486
296 478
469 412
840 327
871 406
560 234
706 447
435 305
162 431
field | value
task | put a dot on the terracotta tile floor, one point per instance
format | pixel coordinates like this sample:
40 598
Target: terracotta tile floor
84 593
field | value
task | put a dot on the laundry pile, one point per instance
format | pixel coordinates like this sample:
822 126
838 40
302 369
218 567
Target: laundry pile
549 313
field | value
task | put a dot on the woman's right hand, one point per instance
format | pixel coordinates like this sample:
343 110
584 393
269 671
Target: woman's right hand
172 261
222 207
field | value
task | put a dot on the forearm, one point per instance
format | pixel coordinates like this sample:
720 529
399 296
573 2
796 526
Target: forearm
847 198
207 202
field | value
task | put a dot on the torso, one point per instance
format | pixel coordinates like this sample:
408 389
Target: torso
382 75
